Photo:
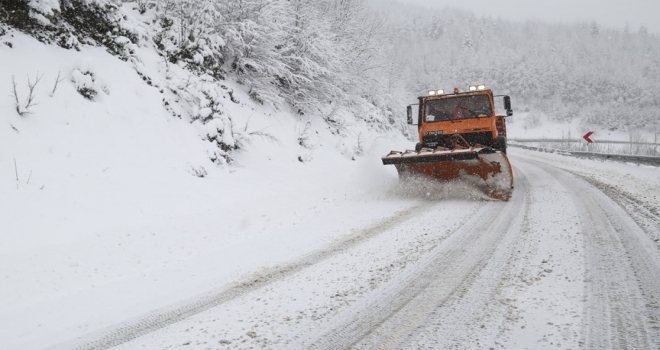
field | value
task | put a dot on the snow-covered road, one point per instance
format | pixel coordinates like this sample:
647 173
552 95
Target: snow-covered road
572 261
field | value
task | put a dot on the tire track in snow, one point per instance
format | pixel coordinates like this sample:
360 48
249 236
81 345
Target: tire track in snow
646 216
285 313
622 285
386 318
544 290
469 317
140 326
473 316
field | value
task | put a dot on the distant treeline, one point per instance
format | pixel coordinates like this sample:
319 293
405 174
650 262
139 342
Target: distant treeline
600 75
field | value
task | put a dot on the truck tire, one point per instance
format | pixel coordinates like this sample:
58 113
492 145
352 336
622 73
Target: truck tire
501 144
418 147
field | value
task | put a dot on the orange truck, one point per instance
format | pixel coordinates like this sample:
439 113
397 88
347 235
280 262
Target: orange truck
461 138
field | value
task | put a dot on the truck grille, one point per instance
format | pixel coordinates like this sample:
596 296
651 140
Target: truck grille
482 138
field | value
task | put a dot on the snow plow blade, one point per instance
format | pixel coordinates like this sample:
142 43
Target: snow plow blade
486 167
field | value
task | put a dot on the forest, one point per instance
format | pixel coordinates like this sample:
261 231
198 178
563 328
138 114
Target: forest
318 56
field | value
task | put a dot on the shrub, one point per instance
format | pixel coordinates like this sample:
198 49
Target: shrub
87 93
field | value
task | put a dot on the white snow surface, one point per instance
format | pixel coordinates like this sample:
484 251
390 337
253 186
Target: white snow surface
107 221
103 219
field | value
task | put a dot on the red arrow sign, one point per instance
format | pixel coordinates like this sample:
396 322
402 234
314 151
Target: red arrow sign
587 135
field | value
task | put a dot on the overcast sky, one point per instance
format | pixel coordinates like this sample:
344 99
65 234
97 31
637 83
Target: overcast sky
610 13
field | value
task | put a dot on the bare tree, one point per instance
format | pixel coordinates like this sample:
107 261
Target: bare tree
15 95
24 108
57 81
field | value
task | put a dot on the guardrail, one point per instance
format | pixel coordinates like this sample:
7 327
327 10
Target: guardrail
648 160
582 141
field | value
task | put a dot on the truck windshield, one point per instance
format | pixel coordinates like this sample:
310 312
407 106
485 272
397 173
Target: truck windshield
458 107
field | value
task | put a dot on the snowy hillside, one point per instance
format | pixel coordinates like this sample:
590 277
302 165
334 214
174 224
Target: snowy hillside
115 187
110 207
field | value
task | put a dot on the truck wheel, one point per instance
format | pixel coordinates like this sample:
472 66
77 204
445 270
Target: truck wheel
501 144
418 147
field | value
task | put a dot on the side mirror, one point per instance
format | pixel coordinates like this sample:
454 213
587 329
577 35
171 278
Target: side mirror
507 106
410 115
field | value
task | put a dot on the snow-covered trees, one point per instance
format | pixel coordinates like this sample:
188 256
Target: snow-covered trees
68 23
186 33
583 70
252 30
320 55
307 51
302 53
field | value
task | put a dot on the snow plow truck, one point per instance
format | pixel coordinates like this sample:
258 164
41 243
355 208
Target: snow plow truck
461 138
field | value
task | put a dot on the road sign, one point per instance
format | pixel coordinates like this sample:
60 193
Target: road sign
587 135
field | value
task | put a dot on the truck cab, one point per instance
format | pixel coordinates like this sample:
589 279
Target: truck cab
470 114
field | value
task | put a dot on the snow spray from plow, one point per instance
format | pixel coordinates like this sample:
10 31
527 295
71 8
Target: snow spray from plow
485 168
